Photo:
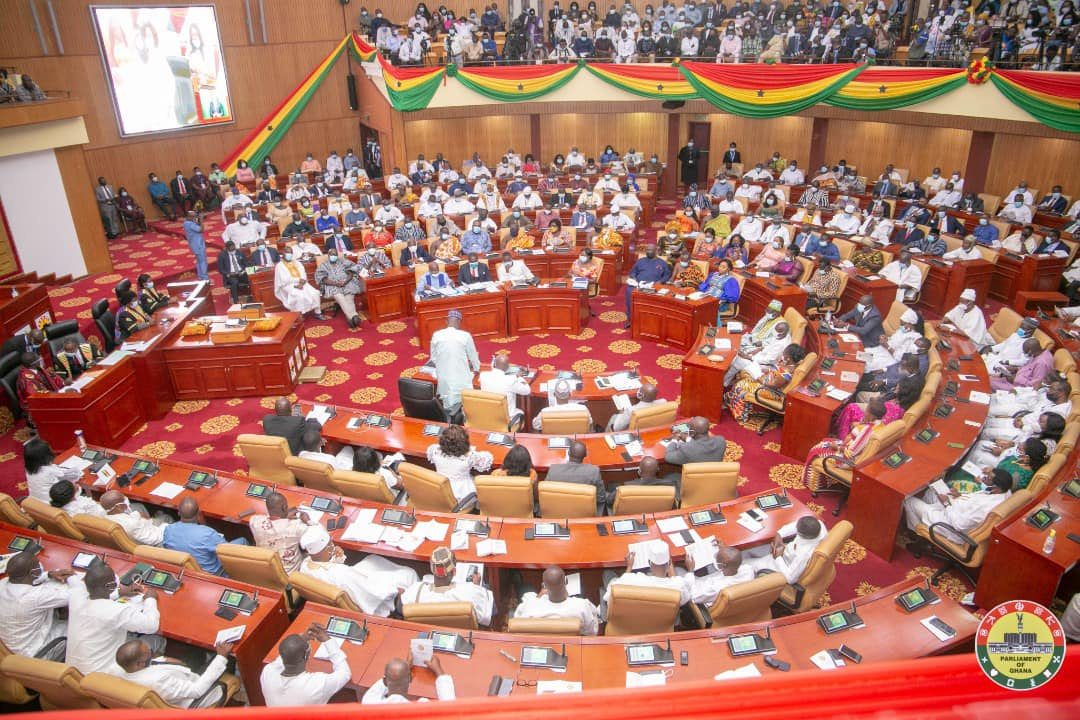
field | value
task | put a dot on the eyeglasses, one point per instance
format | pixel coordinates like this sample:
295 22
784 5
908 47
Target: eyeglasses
526 683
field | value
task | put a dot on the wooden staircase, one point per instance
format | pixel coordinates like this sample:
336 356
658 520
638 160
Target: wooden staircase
32 277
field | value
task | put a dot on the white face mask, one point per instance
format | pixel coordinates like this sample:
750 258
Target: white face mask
583 258
288 256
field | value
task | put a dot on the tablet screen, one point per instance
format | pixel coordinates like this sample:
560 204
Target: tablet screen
835 621
444 641
642 653
743 643
623 526
544 529
232 598
534 655
768 501
338 626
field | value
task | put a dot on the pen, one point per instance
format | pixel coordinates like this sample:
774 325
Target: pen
508 656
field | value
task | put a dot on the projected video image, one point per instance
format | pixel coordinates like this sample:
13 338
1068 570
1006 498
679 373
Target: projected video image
165 66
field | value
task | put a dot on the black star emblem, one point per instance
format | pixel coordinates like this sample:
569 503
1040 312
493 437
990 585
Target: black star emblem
399 83
882 89
520 87
660 88
761 93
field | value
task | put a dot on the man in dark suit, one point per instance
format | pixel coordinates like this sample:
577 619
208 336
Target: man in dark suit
886 187
576 470
231 263
946 223
697 446
865 321
907 234
267 194
1051 244
31 342
970 203
649 474
413 253
562 198
473 271
264 256
1054 203
732 155
338 241
181 191
291 427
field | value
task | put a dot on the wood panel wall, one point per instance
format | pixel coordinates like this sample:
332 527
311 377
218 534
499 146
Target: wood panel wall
1043 162
457 139
645 132
756 140
870 146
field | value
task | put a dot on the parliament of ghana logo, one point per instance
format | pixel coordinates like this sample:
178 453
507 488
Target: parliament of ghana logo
1020 645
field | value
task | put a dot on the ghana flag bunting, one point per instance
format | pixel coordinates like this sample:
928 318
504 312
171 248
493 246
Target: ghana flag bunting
887 89
762 91
515 82
659 82
410 88
1052 98
360 49
269 131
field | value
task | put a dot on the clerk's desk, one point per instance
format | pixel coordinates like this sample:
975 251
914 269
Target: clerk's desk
600 662
26 310
121 397
187 615
666 314
703 370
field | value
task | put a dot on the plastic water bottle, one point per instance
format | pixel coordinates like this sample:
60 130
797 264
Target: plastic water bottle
14 291
1048 544
80 440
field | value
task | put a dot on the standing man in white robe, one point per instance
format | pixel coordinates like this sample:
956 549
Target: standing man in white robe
453 353
905 275
292 288
967 318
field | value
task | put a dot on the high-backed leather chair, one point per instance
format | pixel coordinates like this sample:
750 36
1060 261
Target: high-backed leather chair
566 422
104 533
744 602
122 287
653 416
420 270
256 566
832 304
544 626
58 333
772 402
12 691
733 308
266 457
1005 324
312 474
641 610
1064 362
891 321
418 400
504 495
429 490
57 684
707 483
449 614
488 411
315 590
637 499
1064 446
804 593
840 472
105 321
566 500
12 514
363 486
10 365
1044 475
164 555
116 692
796 322
52 520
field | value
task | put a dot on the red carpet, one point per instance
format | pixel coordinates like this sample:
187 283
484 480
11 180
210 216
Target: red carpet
363 367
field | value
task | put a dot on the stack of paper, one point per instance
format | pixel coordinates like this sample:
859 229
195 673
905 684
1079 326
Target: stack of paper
641 553
459 540
849 337
167 490
76 463
230 634
622 402
979 397
573 584
749 523
369 533
114 357
702 552
722 343
131 346
550 687
745 671
432 530
622 382
648 678
837 394
825 660
490 546
634 448
672 524
734 326
320 413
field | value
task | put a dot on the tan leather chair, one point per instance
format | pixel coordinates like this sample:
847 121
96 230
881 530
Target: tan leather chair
116 692
653 416
733 308
52 520
504 495
56 684
745 602
566 422
363 486
796 324
707 483
164 555
544 626
256 566
566 500
991 203
837 470
312 474
891 321
803 594
637 499
773 402
1068 439
12 514
12 691
807 269
960 550
832 305
1045 475
266 458
420 270
449 614
641 610
315 590
429 490
487 411
1005 324
1063 362
104 533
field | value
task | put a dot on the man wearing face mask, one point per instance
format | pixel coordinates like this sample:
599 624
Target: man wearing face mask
792 175
292 289
689 162
649 269
132 318
1016 211
754 360
338 278
514 271
864 320
243 232
74 359
473 271
475 240
137 525
174 682
414 252
905 275
30 596
1054 203
1021 242
34 378
846 222
159 195
232 265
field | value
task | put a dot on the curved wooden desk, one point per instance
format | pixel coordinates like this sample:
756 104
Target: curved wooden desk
600 662
669 316
702 386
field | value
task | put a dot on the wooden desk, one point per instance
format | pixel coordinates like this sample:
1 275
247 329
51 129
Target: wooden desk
483 315
391 296
187 616
108 410
600 662
1028 272
948 278
875 505
883 291
151 372
805 410
191 291
1016 567
546 309
702 387
671 318
30 309
757 295
267 364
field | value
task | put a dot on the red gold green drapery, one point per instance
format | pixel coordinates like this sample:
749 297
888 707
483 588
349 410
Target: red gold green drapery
410 88
1051 98
514 83
881 89
765 91
659 82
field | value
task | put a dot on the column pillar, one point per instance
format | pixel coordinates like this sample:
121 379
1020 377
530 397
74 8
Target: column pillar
978 161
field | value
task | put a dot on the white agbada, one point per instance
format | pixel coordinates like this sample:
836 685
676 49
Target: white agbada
541 606
796 555
963 513
750 229
176 684
425 591
511 386
1009 351
453 353
703 590
307 688
373 583
771 349
378 694
98 627
647 579
29 622
901 343
902 277
844 222
302 299
138 528
961 254
970 322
